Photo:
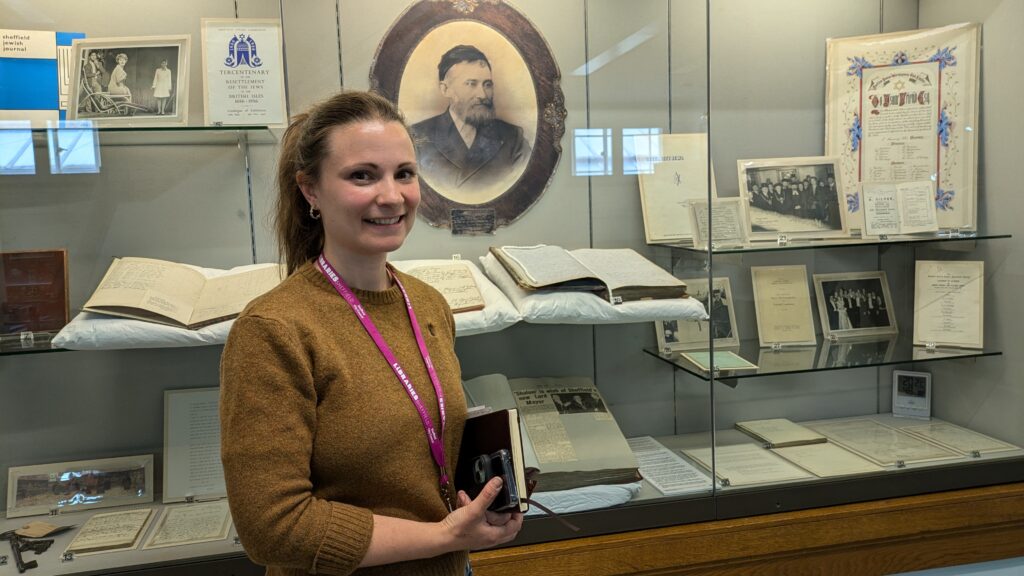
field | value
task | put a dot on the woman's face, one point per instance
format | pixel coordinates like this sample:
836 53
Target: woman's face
368 189
122 59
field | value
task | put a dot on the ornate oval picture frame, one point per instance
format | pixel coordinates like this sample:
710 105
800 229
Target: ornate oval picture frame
429 64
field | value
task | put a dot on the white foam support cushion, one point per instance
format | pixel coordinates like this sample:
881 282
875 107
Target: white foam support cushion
560 307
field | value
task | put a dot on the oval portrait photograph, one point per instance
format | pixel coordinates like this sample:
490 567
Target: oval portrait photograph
487 131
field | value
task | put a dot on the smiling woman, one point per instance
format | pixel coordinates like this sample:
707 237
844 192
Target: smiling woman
331 382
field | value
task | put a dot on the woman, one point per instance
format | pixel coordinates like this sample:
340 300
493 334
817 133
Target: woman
116 86
162 87
327 453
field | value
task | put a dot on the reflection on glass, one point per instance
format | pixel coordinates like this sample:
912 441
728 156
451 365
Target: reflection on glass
641 149
16 155
592 151
74 148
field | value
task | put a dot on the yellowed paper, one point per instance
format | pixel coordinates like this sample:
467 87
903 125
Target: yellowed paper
782 302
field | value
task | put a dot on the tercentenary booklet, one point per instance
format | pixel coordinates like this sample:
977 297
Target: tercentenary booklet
616 274
780 432
176 294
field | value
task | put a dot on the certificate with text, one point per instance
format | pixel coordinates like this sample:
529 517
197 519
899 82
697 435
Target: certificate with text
903 107
782 304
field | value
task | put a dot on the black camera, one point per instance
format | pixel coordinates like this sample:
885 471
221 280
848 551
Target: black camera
487 466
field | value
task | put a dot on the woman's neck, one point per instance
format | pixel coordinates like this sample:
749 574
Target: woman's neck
360 272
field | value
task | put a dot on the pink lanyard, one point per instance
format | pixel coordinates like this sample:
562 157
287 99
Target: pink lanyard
435 440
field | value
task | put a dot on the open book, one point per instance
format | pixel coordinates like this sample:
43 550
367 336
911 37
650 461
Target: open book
780 432
484 435
618 275
176 294
455 282
567 431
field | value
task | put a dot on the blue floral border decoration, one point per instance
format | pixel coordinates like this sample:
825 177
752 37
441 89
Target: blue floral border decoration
945 126
944 57
857 65
855 133
943 199
853 203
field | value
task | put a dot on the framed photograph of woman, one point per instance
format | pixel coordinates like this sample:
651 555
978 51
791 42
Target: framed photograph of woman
139 80
855 304
679 334
481 91
793 198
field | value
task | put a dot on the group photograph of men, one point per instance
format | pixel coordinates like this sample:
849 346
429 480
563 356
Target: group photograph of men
793 198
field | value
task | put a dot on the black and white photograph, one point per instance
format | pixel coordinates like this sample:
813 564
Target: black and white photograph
577 403
674 335
793 197
481 91
130 80
855 304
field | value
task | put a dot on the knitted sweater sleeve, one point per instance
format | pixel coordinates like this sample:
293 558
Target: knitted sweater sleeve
268 418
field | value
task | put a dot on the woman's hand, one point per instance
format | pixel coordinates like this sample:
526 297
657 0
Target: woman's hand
472 526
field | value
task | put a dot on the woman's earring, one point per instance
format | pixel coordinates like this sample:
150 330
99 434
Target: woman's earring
314 212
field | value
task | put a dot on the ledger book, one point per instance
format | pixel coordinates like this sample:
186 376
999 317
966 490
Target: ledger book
177 294
568 433
617 274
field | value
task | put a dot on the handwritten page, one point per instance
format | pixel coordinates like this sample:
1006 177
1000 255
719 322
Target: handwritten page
191 524
544 264
110 531
455 282
135 281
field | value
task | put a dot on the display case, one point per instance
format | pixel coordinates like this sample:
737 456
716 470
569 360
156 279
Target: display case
601 88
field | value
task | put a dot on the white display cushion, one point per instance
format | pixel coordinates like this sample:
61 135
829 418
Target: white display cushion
90 331
585 498
561 307
498 312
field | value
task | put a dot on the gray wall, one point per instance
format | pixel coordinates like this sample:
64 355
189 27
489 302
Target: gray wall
766 95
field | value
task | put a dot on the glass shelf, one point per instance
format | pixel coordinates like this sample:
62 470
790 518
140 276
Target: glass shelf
40 343
827 355
799 244
148 135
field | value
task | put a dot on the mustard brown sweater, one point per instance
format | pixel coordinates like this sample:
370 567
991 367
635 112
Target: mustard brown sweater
317 433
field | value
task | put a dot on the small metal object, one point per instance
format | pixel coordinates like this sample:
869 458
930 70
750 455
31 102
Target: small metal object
16 548
901 464
930 346
975 454
777 347
782 240
236 541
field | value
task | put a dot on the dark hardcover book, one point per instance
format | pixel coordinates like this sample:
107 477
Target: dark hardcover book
492 446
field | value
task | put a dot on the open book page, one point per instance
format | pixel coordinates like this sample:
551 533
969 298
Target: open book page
779 432
542 265
225 296
110 531
744 464
622 267
164 288
572 430
455 282
827 459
